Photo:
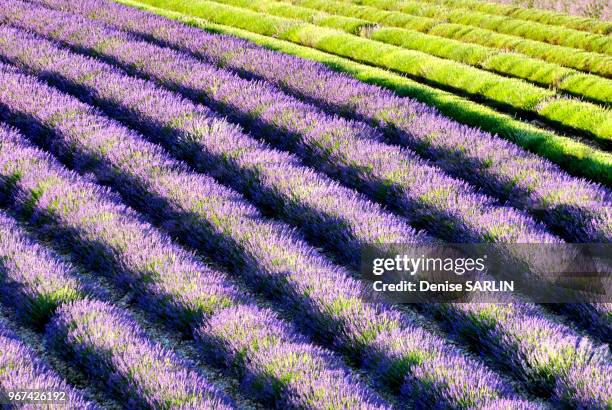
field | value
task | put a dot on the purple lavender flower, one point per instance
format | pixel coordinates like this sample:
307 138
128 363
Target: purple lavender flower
170 282
32 279
21 368
107 343
587 387
321 297
581 211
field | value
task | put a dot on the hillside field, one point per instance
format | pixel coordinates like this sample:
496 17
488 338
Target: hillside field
206 204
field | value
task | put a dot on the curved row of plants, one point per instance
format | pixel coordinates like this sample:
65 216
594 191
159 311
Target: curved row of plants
586 86
574 156
532 14
144 51
595 63
507 93
599 43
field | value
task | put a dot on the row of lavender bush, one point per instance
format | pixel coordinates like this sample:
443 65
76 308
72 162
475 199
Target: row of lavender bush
497 166
323 210
104 341
321 296
350 151
554 331
176 287
110 345
33 280
22 368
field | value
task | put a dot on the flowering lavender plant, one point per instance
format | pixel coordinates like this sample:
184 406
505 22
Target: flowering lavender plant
171 283
107 343
21 368
32 279
322 297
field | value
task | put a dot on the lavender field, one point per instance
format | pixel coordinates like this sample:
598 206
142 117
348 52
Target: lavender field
188 190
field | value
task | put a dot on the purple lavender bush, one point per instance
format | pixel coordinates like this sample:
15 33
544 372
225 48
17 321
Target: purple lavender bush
319 295
171 283
575 208
277 361
33 280
587 387
334 215
21 368
107 343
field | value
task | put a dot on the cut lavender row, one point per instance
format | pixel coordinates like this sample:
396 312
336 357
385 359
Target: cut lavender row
349 151
107 343
579 210
170 282
321 296
326 211
32 280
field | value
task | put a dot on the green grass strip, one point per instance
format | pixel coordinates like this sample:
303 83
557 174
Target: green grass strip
527 29
574 156
515 65
501 92
537 15
568 57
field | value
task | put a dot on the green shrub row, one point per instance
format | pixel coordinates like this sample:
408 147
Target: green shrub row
537 15
527 29
507 93
568 57
574 156
510 64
